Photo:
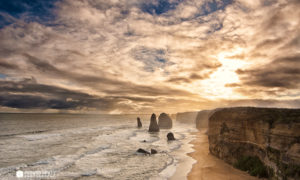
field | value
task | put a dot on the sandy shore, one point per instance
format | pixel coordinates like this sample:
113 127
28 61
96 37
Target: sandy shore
210 167
185 164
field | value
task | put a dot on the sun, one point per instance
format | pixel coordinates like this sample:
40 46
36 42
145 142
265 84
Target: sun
215 86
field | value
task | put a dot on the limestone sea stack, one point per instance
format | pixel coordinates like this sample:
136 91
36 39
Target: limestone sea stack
153 124
164 121
139 123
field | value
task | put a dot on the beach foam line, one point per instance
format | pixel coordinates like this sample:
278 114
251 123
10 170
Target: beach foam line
22 133
185 162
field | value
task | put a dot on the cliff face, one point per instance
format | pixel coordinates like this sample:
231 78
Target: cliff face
202 118
272 135
186 117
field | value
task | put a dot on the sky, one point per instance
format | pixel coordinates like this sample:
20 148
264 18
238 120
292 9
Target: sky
143 56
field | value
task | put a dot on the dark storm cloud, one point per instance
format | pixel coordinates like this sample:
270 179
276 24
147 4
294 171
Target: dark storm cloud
28 94
282 72
4 65
29 85
30 101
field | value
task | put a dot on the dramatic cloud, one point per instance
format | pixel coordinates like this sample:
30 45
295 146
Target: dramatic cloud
282 73
129 56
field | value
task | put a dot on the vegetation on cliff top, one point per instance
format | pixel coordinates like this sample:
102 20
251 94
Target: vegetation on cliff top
253 165
291 170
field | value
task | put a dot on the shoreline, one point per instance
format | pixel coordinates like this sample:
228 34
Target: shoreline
208 166
184 163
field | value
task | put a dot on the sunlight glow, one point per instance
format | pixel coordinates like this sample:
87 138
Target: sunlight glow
215 86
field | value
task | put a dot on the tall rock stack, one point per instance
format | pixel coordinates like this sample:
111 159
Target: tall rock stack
139 123
153 124
164 121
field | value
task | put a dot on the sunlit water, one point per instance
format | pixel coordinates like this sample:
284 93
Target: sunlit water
88 146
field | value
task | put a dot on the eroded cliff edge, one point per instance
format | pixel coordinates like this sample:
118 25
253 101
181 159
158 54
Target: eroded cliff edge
186 117
272 135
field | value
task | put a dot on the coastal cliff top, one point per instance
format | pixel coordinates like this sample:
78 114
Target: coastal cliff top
271 115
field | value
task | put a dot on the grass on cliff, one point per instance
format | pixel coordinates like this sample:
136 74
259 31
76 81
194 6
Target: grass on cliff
253 165
291 170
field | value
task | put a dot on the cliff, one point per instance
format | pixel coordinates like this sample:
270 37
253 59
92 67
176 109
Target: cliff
186 117
263 141
202 118
198 118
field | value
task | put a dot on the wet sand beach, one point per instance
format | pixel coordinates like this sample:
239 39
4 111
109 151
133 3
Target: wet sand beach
210 167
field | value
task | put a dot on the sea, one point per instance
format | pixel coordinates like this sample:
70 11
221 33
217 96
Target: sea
89 146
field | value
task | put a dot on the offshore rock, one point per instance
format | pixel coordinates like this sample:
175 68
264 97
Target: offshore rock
153 151
143 151
170 136
164 121
139 123
153 127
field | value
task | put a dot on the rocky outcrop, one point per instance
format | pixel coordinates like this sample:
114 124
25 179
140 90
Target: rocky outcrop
153 151
164 121
170 136
139 123
186 117
142 151
153 127
267 134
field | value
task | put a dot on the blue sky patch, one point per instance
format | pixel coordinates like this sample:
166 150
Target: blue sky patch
33 10
212 6
159 7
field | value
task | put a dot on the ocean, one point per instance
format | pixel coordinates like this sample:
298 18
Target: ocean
88 146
